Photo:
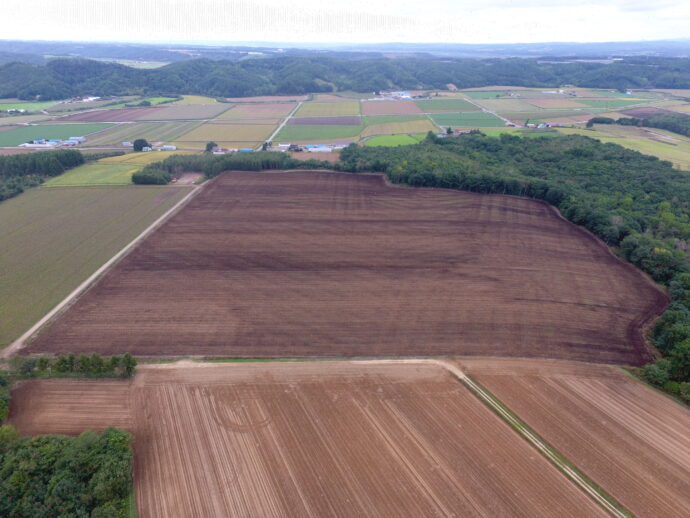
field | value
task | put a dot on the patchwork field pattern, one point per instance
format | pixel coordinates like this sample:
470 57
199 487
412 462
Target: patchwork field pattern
468 120
186 112
312 440
228 132
391 141
352 120
117 115
23 134
446 105
630 440
392 128
258 111
319 264
389 107
151 131
310 134
47 248
330 109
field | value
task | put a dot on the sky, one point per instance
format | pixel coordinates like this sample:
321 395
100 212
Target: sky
351 21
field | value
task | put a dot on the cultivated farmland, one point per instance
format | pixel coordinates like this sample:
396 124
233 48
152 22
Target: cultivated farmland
446 105
389 107
392 128
186 112
95 174
47 131
309 439
468 120
117 115
53 239
322 264
351 120
631 440
258 111
316 109
151 131
228 132
307 134
392 140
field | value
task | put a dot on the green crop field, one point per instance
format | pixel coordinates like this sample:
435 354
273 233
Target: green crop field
446 105
612 104
468 120
48 131
28 106
391 141
370 120
300 133
96 174
53 239
317 109
151 131
484 94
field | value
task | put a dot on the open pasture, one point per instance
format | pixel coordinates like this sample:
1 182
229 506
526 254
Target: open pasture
324 264
116 115
468 120
393 128
446 105
310 440
47 131
484 94
389 108
151 131
629 439
329 109
186 112
258 111
53 239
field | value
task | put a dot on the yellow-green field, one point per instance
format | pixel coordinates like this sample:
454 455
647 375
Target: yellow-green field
317 109
650 141
151 131
394 128
229 132
53 239
196 99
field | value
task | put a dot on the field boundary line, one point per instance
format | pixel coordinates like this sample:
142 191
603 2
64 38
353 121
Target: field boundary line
20 342
282 124
596 493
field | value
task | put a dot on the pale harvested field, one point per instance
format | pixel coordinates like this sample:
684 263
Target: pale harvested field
151 131
556 103
228 132
269 98
258 111
186 112
305 155
309 440
330 109
389 107
337 264
393 128
631 440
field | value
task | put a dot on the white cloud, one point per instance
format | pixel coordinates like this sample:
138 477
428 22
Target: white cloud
489 21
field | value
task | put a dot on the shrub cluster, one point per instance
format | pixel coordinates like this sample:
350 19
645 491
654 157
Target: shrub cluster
83 365
58 476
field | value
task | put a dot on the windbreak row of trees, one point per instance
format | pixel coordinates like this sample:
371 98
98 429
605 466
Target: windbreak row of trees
213 165
634 202
63 78
83 365
19 172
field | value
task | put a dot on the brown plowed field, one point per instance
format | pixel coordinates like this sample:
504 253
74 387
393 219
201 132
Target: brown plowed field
630 440
310 440
389 107
119 115
322 264
347 120
644 111
333 156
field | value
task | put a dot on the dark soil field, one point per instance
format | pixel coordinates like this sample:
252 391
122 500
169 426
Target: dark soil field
630 440
312 439
346 120
337 264
119 115
644 112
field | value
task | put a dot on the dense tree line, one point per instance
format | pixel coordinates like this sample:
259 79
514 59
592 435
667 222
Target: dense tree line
212 165
4 397
48 476
83 365
675 122
19 172
634 202
63 78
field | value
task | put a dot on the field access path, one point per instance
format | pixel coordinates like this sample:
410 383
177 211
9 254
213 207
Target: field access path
285 120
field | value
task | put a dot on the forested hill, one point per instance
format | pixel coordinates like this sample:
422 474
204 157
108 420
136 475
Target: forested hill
63 78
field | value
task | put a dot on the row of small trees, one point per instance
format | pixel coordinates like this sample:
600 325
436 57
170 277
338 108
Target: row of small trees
90 365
